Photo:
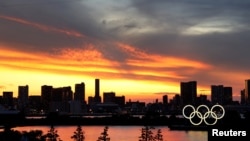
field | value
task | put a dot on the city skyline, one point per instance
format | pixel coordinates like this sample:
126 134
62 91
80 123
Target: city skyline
136 48
187 90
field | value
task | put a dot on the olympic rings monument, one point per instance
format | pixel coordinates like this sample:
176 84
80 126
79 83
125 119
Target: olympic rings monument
203 113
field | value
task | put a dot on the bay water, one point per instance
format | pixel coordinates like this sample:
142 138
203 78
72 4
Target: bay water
119 133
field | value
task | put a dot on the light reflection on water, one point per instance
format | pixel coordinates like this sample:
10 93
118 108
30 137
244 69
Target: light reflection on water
120 133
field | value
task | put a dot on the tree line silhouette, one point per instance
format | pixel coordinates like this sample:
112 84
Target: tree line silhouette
147 134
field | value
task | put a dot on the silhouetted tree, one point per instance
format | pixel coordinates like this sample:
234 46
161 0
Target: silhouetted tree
147 134
14 135
78 134
33 135
158 136
52 134
104 135
10 135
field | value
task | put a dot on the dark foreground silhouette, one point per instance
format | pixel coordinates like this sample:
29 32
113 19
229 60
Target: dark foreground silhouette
147 134
231 119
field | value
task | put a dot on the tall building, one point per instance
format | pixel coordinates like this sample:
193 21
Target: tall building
188 92
221 95
79 92
61 99
23 97
8 100
46 96
165 99
97 87
97 97
217 94
242 97
247 91
228 95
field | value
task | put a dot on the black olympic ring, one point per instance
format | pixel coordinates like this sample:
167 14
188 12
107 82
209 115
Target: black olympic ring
205 116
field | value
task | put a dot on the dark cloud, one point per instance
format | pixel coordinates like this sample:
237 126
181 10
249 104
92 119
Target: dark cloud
221 48
64 15
214 32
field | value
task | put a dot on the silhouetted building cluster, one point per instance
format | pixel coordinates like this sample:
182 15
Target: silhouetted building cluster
64 100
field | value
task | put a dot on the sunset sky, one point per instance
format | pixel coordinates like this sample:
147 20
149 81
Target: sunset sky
138 48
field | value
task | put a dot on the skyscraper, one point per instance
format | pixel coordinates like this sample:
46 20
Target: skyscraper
8 99
217 94
221 95
79 92
46 96
188 92
165 99
242 97
97 87
228 95
23 97
97 97
247 91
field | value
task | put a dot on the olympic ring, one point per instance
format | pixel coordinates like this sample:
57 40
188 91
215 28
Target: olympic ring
203 116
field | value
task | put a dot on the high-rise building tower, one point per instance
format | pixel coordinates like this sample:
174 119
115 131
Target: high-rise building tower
23 97
97 87
217 94
165 99
221 95
8 100
97 97
79 92
188 92
46 96
228 95
247 91
242 97
61 99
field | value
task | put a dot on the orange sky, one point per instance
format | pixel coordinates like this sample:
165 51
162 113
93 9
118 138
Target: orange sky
134 53
144 81
71 66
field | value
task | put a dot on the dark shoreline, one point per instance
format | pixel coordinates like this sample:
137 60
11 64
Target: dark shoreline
95 121
173 122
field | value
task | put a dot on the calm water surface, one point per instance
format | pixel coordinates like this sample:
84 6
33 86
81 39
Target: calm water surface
120 133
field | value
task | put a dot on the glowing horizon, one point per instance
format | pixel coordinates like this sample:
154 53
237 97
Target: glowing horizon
134 52
62 70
